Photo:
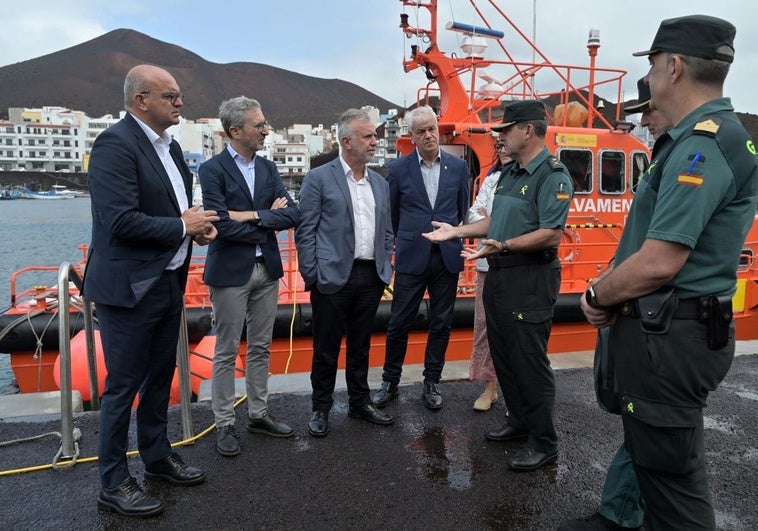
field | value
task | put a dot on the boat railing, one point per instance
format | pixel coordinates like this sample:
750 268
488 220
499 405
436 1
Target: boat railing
456 77
67 273
69 447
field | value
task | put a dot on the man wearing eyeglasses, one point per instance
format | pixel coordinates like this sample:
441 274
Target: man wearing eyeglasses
142 227
243 266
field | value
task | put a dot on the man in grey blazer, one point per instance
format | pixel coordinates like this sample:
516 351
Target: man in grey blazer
344 244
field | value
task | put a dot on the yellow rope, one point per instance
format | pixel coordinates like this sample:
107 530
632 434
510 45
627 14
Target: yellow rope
130 453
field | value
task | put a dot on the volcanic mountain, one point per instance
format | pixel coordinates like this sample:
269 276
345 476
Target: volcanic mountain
90 77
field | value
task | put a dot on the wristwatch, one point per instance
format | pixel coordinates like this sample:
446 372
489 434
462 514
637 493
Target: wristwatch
256 220
590 297
506 247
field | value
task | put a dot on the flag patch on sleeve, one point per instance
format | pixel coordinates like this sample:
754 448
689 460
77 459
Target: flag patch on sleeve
690 180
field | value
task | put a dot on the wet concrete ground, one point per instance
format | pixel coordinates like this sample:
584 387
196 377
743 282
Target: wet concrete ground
431 470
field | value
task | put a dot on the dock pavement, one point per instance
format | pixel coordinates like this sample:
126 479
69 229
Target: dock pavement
430 470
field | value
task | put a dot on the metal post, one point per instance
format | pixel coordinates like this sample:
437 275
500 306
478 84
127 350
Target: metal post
67 416
185 391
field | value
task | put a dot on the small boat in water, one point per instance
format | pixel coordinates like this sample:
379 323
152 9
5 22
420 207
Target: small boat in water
10 193
603 158
57 191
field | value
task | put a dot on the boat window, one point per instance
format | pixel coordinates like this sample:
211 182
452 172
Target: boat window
612 174
640 164
579 164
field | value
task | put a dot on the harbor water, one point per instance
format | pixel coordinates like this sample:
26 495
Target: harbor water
43 233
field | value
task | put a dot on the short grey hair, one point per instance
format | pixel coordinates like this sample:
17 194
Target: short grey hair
233 112
711 72
134 83
418 114
345 123
540 127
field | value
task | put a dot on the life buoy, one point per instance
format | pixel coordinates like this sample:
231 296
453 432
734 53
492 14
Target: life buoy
80 369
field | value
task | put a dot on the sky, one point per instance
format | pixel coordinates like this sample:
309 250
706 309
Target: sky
359 40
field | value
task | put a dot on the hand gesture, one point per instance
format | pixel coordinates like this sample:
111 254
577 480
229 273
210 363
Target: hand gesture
198 222
279 202
442 232
208 237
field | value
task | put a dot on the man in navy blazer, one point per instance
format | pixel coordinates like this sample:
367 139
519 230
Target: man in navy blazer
243 266
426 185
344 245
137 266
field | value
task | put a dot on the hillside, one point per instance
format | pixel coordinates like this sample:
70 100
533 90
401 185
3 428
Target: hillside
90 77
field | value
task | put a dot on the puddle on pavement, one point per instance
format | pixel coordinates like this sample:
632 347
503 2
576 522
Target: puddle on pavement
445 456
722 424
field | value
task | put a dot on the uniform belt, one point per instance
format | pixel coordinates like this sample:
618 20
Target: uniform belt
686 309
364 261
504 260
259 259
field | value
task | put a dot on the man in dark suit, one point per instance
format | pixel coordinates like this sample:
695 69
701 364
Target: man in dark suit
344 245
243 266
136 273
426 185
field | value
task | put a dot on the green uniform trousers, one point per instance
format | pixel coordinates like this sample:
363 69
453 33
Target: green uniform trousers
518 304
664 381
621 501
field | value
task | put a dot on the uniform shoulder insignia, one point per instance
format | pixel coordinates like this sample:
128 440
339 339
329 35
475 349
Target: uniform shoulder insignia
708 126
556 164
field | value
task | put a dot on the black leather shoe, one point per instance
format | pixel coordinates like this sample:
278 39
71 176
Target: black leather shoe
431 396
173 470
370 413
319 424
270 426
596 522
128 499
226 441
529 459
507 433
386 394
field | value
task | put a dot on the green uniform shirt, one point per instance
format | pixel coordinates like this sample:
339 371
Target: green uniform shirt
522 204
706 199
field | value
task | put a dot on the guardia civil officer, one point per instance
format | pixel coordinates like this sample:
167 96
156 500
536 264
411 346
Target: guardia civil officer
675 270
529 210
621 504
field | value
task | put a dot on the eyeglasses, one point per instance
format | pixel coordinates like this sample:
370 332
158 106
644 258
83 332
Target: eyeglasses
260 126
168 96
499 146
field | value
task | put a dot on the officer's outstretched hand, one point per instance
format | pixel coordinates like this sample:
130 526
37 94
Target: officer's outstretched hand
441 233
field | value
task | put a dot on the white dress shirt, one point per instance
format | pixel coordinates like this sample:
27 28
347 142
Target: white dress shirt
162 145
364 221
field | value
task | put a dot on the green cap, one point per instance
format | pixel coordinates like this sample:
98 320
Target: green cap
693 35
521 111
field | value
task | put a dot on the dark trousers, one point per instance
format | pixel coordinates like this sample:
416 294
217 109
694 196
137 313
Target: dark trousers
518 303
139 345
408 293
348 313
664 381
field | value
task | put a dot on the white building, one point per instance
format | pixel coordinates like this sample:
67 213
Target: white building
61 139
